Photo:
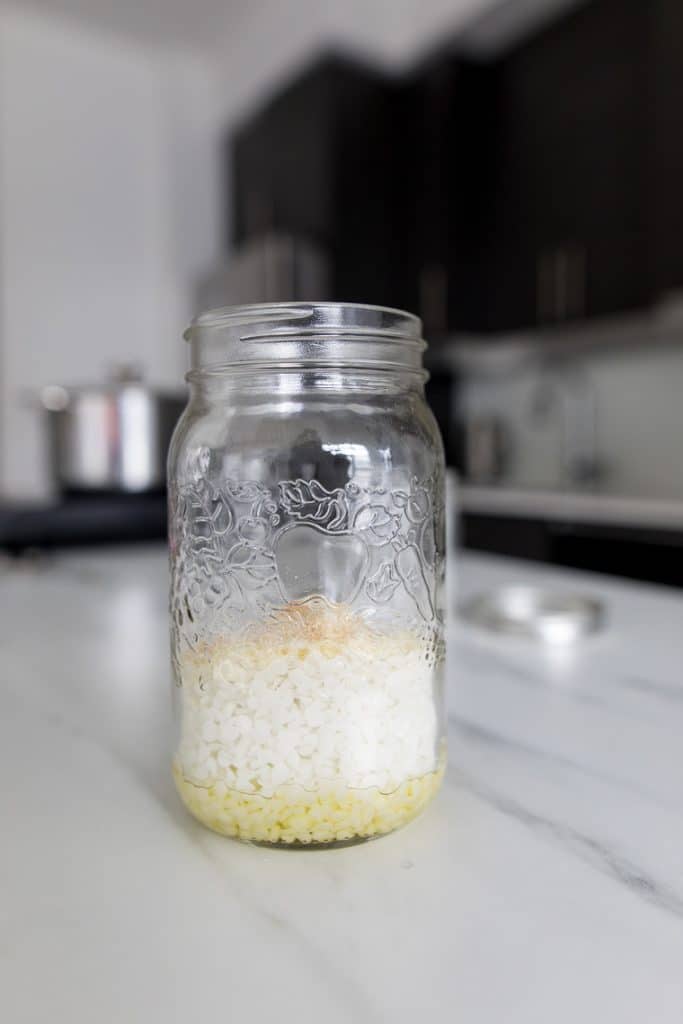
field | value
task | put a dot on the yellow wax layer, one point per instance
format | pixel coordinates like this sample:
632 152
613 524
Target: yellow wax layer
293 815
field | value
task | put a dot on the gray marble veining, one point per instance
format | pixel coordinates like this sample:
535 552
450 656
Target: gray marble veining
544 884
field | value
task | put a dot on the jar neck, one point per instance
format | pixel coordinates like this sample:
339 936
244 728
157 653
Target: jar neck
312 381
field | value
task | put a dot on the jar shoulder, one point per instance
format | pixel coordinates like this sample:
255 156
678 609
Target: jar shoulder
333 441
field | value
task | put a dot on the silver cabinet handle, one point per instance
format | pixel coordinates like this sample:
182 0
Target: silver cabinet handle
561 283
433 297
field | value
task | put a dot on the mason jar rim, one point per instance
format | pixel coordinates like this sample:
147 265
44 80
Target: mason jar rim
305 334
288 314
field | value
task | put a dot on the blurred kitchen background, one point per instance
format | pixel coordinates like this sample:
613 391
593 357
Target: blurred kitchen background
509 169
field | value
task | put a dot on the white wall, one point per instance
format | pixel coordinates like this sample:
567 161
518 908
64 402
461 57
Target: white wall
107 204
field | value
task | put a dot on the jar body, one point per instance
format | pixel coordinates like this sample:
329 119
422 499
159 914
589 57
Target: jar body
307 556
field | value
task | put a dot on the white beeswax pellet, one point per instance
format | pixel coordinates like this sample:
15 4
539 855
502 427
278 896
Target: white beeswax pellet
327 699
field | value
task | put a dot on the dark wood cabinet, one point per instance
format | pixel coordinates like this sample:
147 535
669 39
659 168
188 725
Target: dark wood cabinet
665 116
537 187
317 161
569 222
587 203
390 176
446 117
532 183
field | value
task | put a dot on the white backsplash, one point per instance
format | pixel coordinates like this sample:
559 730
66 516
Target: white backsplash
637 393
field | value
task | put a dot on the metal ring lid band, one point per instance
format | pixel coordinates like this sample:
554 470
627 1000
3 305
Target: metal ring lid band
294 334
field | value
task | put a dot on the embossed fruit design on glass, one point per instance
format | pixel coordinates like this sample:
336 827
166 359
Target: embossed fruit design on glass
306 527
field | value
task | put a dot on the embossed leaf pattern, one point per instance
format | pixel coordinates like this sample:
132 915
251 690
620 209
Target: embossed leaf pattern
308 500
381 586
418 505
253 531
240 555
224 536
256 577
252 566
219 555
409 567
221 515
245 490
376 525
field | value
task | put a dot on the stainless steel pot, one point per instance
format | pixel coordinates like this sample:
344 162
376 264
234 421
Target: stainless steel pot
112 437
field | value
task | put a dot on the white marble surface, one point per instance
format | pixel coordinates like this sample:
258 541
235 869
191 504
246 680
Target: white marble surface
544 885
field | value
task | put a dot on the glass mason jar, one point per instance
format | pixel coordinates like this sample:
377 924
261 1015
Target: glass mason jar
306 491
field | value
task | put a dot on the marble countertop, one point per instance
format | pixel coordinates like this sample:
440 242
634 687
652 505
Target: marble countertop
545 884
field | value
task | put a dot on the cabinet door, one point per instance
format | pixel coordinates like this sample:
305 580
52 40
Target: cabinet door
321 161
446 122
430 102
281 159
250 187
568 228
610 146
369 233
665 183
